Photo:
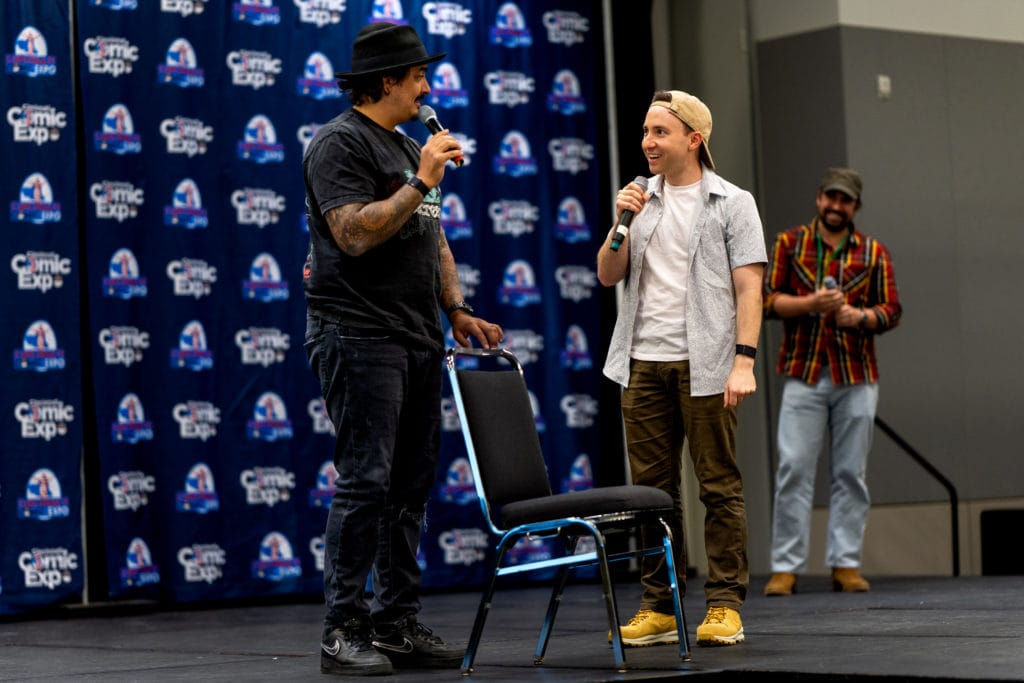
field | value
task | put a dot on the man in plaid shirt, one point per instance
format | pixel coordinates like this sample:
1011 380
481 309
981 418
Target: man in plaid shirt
835 290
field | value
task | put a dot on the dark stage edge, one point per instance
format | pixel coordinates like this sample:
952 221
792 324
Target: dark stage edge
911 629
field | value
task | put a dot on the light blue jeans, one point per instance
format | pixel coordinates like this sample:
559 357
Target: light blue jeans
808 415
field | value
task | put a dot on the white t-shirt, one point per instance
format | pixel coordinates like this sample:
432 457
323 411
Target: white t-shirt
660 332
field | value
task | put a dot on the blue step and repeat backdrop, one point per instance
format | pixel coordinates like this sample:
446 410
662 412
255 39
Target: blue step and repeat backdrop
186 225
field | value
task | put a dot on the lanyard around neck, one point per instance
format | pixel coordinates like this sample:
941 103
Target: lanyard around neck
819 243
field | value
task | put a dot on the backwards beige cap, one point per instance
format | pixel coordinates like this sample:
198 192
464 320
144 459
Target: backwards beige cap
693 113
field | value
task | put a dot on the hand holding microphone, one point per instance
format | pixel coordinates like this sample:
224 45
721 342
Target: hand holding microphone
622 229
428 117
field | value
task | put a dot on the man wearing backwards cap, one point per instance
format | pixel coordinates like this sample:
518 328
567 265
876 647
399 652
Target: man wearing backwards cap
834 289
683 349
377 271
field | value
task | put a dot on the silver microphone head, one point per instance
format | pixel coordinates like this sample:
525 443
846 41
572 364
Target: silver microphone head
641 181
426 113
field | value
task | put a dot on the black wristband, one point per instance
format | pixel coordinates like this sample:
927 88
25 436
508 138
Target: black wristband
418 183
744 350
459 305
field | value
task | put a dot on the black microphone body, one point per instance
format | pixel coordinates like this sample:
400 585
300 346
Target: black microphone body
428 117
627 217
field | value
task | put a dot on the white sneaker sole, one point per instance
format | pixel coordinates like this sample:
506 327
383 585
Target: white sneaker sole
654 639
721 640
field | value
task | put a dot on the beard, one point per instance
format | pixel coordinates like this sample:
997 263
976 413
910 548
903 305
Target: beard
833 228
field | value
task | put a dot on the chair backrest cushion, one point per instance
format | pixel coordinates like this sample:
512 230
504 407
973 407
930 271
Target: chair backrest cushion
500 420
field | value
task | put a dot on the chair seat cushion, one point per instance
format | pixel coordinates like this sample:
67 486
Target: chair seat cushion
587 503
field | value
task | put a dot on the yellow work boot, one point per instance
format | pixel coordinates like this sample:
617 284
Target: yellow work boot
722 626
781 583
848 580
649 628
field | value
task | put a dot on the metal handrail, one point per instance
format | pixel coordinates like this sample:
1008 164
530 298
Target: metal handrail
954 499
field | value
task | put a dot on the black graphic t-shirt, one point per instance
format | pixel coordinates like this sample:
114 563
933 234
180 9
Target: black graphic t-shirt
395 287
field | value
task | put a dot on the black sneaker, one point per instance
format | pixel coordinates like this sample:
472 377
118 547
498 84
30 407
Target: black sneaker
410 644
347 651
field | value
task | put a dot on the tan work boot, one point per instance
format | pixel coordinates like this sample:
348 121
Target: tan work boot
781 583
649 628
722 626
848 580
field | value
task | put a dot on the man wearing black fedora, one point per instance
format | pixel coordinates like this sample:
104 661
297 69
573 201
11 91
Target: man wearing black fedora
377 274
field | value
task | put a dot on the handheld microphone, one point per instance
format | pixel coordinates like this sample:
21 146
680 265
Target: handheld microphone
428 117
627 217
829 282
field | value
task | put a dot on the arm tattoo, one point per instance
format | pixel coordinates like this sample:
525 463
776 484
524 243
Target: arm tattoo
451 291
357 228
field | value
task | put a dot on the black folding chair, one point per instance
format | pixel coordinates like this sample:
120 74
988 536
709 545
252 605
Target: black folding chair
512 483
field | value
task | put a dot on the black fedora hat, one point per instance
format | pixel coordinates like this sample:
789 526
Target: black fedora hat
382 46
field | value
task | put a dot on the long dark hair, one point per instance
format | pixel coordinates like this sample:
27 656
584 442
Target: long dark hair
370 88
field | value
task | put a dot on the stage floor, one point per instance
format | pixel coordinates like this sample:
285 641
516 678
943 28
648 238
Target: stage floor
928 629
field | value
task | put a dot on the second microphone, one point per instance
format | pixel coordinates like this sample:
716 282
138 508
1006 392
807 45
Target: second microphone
627 217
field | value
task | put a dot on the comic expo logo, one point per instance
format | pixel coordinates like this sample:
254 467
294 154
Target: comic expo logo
581 475
526 344
47 567
131 490
269 419
39 351
565 28
256 12
322 493
576 283
458 484
36 123
509 28
262 345
253 68
513 217
317 411
259 143
139 569
276 560
123 280
510 88
570 154
185 8
448 19
576 352
446 87
316 549
202 562
186 135
116 199
192 353
320 12
186 209
123 344
463 546
131 425
44 418
200 494
469 278
35 202
565 97
180 67
43 500
196 419
518 285
257 206
110 55
30 57
117 133
317 79
265 283
387 10
40 270
117 5
571 223
267 485
304 134
453 218
192 277
580 410
514 156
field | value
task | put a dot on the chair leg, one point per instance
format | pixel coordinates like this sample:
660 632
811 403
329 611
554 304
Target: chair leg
610 604
483 611
556 600
677 603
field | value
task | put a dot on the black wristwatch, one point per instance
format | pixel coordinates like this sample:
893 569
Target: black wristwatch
459 305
